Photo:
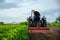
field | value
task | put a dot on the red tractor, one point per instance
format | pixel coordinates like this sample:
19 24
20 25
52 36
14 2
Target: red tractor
37 27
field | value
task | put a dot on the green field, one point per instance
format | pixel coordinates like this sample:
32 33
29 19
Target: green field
13 32
18 31
53 24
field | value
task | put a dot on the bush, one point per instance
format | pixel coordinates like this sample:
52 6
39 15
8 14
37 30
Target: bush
23 23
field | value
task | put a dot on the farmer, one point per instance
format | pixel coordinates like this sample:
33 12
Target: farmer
44 23
36 17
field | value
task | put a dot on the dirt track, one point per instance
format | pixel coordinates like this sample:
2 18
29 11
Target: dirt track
53 34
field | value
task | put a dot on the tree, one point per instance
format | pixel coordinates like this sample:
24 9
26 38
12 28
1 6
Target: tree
2 23
58 19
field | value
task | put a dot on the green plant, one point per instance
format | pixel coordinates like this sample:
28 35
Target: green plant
13 32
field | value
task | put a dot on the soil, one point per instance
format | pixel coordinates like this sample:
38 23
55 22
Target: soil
53 34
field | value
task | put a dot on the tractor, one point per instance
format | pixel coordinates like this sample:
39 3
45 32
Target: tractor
37 26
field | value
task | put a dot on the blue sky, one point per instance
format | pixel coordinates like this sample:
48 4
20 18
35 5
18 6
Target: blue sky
20 10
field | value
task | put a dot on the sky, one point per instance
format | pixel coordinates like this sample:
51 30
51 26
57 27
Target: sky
20 10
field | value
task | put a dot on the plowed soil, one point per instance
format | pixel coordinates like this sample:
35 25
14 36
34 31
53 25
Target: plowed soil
53 34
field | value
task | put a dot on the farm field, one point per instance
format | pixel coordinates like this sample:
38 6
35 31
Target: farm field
53 34
13 32
20 32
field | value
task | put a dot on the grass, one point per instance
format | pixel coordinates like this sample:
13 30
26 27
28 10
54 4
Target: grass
54 24
13 32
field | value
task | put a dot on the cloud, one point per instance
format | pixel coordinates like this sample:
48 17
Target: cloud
6 4
13 1
1 1
51 11
19 15
51 14
29 4
40 5
19 10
